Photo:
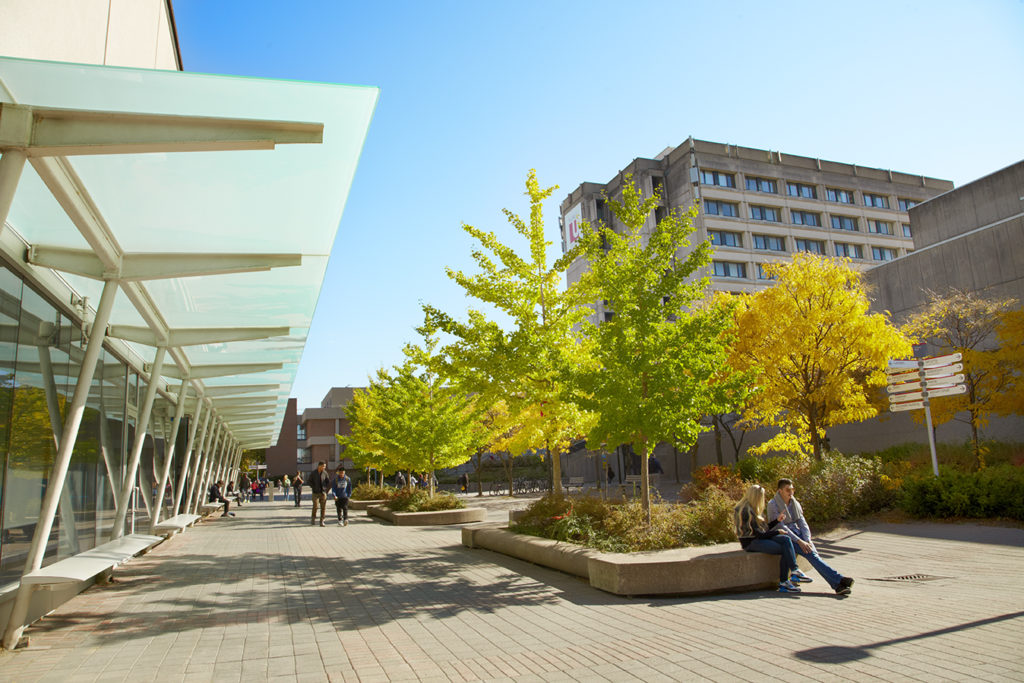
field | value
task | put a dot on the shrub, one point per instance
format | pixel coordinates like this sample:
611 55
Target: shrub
724 479
419 500
366 491
619 526
841 486
992 492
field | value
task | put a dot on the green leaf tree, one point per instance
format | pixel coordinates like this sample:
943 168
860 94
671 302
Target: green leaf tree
527 365
660 363
819 354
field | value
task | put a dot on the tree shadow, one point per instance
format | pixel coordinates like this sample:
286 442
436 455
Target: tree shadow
840 654
185 592
965 533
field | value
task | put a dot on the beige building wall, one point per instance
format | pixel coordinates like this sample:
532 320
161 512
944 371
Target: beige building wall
138 33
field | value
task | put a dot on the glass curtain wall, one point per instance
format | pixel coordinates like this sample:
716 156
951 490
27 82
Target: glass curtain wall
40 354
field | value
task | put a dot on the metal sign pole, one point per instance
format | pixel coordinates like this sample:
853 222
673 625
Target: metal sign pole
931 437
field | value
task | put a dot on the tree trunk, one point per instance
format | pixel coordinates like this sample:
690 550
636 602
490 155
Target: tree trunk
693 460
979 458
556 471
718 441
645 483
812 423
509 465
430 482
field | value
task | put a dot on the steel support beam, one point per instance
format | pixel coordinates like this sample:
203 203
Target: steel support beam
169 452
141 428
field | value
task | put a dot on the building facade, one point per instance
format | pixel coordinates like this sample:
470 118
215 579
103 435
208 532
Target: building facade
759 206
310 437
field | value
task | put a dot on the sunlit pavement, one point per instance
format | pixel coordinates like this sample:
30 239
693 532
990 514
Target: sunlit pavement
267 596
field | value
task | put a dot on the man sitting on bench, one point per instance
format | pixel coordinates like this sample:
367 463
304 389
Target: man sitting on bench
217 497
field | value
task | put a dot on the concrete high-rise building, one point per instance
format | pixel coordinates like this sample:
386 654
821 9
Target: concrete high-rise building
759 206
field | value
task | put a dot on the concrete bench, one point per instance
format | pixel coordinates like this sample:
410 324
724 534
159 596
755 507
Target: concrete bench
210 508
176 524
697 570
91 563
574 483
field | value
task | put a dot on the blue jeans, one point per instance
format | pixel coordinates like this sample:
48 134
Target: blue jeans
830 575
777 545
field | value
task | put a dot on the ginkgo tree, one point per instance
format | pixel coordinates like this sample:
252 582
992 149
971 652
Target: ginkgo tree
819 353
413 418
660 364
527 364
962 321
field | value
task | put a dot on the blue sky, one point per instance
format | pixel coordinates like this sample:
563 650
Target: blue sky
474 94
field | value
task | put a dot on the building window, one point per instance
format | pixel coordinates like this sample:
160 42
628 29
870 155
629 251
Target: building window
724 238
880 227
801 190
907 204
304 456
599 211
713 208
657 186
765 213
769 243
762 274
718 178
906 230
849 250
876 200
813 246
659 214
834 194
609 315
883 253
805 218
766 185
729 269
300 432
844 223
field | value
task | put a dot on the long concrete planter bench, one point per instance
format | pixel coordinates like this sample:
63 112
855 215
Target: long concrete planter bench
681 571
364 504
460 516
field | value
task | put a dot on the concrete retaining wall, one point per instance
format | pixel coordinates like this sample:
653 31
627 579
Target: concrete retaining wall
461 516
681 571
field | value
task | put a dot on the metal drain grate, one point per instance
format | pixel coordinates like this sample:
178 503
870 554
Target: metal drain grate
911 577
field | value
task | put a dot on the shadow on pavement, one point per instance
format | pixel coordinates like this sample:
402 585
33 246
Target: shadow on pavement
970 532
839 654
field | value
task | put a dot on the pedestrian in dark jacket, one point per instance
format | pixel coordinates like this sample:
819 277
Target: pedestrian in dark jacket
297 487
319 485
342 488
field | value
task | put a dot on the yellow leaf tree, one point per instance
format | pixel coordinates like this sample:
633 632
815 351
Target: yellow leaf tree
962 321
819 353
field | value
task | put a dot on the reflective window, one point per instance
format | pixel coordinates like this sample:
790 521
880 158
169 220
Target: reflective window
834 194
770 242
729 269
880 227
801 190
766 185
805 218
766 213
844 223
883 253
907 204
718 178
849 250
813 246
714 208
876 200
724 238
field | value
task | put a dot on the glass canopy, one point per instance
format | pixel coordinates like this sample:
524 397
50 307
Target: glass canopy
222 192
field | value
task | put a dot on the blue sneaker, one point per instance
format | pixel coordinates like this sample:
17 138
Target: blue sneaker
799 577
788 587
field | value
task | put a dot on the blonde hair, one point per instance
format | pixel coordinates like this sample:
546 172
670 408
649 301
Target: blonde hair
753 498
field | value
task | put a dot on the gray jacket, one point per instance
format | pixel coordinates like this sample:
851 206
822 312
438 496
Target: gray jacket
794 515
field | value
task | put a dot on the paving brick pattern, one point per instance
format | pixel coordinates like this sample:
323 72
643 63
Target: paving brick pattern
266 596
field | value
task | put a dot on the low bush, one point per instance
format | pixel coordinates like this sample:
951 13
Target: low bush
992 492
619 526
420 500
367 491
725 479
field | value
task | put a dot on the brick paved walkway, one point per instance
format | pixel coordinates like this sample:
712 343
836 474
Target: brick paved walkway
267 596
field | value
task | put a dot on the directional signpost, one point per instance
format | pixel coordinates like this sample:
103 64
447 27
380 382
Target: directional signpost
913 383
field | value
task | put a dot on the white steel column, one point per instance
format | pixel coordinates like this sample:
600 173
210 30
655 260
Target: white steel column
211 443
141 427
65 508
197 466
11 164
183 478
62 460
168 456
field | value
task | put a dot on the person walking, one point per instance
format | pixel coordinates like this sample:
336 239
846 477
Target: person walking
244 485
297 483
285 485
319 485
785 507
342 488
